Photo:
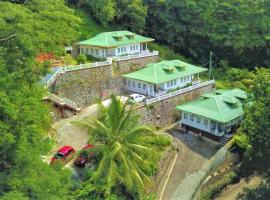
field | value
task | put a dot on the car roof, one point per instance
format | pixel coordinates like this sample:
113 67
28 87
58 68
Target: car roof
88 146
65 149
134 95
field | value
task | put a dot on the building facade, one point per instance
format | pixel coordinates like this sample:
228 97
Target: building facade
162 77
113 44
214 114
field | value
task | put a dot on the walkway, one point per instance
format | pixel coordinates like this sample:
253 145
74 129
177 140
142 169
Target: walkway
193 154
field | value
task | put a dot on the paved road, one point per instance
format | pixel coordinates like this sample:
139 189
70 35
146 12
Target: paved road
67 133
193 154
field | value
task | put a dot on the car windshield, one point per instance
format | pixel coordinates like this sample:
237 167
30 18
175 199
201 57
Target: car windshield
59 155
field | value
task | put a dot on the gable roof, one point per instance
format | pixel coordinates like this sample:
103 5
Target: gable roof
115 38
220 105
164 71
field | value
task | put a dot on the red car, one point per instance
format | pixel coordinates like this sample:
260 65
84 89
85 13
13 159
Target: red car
63 155
84 157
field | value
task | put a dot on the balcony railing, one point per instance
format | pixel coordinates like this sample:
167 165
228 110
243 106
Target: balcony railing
178 92
134 56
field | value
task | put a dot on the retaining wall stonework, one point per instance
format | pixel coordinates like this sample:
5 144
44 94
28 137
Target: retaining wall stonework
86 86
164 113
126 66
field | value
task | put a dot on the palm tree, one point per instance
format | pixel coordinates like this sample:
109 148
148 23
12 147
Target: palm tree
118 136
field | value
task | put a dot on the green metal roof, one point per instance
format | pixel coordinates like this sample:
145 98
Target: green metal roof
164 71
220 105
116 38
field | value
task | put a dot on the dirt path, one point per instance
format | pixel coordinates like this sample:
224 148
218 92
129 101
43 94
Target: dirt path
231 192
193 154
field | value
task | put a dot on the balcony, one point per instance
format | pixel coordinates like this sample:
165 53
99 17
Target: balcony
142 54
162 95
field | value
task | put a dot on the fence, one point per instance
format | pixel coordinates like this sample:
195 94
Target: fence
180 91
140 55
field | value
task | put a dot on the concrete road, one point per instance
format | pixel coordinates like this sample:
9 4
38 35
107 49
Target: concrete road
67 133
193 154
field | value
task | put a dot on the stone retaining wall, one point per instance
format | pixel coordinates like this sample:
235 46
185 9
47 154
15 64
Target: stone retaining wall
86 86
126 66
163 113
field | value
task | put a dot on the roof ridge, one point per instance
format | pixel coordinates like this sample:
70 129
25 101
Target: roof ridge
218 108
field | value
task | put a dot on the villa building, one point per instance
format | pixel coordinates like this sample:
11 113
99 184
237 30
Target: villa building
215 114
160 78
113 44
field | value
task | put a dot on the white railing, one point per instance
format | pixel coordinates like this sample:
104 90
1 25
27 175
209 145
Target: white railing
134 56
61 70
62 101
180 91
86 66
51 80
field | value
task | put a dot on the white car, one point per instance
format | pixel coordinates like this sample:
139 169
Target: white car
136 98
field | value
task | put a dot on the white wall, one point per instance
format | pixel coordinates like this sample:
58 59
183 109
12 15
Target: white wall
204 123
139 87
181 82
127 49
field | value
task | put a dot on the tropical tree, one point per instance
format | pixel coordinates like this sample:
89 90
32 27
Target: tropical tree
124 147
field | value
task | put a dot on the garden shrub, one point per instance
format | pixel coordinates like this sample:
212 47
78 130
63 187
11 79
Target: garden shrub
212 190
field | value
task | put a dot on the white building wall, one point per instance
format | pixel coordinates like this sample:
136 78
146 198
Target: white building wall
180 82
204 124
127 49
192 120
139 87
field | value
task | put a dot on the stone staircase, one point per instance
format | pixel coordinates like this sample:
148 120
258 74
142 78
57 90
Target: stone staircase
62 102
225 139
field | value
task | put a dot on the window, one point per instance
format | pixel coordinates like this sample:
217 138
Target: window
198 120
87 51
82 50
171 83
119 50
192 117
182 79
137 47
168 84
205 122
139 85
92 51
185 115
144 86
129 83
175 82
133 84
124 49
96 52
185 78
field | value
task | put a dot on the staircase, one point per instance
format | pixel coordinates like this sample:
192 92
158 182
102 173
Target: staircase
62 102
225 139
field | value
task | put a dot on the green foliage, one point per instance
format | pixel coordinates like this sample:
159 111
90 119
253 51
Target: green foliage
235 31
69 60
262 192
213 190
128 152
255 126
44 26
166 53
130 14
81 58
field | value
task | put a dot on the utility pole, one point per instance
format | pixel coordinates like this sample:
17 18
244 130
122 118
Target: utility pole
210 64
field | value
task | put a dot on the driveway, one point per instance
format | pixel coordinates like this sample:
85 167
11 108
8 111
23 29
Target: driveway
67 133
193 155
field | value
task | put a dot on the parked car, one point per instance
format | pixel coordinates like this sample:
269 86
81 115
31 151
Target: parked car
85 156
63 155
136 98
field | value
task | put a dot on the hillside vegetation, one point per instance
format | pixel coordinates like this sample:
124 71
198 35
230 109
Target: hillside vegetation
236 31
